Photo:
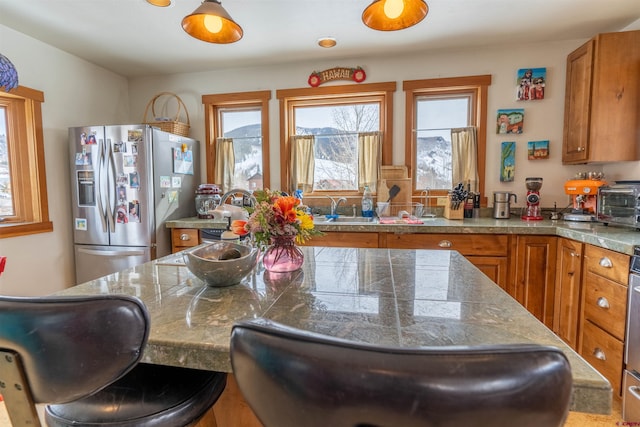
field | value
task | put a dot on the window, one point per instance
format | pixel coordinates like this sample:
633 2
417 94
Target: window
336 128
434 108
335 117
436 115
243 117
23 186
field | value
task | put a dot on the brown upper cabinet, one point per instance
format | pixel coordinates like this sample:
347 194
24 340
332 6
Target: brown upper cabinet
602 100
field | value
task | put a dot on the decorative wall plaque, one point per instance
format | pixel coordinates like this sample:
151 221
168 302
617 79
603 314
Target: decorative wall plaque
338 73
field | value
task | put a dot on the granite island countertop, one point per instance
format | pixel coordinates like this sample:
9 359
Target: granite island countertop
405 298
619 239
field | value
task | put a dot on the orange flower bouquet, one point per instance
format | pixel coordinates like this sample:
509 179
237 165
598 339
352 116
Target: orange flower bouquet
276 223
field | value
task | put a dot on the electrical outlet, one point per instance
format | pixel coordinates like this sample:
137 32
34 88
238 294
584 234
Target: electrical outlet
442 201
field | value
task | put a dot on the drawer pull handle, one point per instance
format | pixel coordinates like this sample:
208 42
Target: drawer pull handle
445 244
573 254
635 391
605 262
185 237
603 302
599 354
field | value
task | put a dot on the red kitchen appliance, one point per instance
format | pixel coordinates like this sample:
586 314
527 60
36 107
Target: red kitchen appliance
584 196
533 212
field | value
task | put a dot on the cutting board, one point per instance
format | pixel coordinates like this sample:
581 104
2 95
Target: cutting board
402 201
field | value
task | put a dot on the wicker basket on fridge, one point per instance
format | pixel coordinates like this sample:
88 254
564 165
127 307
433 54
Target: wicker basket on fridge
172 124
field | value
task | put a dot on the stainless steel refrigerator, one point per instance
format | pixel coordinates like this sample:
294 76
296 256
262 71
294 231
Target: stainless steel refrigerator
126 181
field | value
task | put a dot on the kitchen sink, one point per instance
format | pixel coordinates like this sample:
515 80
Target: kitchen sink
346 220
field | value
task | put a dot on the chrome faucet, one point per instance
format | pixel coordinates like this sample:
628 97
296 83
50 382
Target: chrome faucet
244 192
335 204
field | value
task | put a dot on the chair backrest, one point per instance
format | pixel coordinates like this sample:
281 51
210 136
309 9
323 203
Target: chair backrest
295 378
70 347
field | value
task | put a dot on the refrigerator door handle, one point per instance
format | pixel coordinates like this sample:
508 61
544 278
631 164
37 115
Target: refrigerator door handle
111 187
101 193
111 253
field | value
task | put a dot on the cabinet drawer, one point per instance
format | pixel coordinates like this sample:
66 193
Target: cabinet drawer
184 237
604 353
606 263
345 240
466 244
605 304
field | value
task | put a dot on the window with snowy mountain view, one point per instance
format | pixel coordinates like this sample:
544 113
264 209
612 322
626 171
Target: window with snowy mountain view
244 126
336 129
435 117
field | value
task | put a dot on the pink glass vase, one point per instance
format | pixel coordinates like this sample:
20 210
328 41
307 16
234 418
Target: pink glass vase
283 255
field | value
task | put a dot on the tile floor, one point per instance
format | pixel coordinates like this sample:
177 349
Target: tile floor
576 419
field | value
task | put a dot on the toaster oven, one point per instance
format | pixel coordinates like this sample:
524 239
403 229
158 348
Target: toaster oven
619 204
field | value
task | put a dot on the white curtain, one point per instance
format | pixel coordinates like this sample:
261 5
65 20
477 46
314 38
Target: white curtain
302 162
225 163
464 153
369 159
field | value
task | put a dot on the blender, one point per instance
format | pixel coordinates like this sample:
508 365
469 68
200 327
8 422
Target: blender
533 212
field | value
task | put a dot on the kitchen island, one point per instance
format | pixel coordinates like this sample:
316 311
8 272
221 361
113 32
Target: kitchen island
405 298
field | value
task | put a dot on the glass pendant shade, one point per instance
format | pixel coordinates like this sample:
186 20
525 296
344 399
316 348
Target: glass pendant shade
392 15
211 23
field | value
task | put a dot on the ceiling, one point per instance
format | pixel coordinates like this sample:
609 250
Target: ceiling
133 38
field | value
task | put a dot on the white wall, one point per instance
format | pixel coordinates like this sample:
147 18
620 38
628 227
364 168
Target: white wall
76 93
543 119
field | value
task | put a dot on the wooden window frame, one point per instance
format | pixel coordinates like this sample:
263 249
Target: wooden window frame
27 171
290 97
213 128
479 86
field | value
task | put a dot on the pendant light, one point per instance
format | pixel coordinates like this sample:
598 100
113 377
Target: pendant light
392 15
211 23
159 3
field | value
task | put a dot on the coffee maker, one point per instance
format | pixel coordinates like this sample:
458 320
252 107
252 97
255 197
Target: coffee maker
584 195
533 212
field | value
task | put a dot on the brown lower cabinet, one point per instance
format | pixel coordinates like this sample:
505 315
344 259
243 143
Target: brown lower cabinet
603 312
488 252
533 275
566 313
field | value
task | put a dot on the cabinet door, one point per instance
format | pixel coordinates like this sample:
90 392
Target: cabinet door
534 269
615 97
566 313
494 267
577 103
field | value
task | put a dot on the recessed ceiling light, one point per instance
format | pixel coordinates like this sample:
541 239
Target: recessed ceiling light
327 42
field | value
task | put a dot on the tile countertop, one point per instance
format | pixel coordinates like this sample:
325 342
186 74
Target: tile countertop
389 297
619 239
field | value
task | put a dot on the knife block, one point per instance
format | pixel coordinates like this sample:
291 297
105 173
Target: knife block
450 213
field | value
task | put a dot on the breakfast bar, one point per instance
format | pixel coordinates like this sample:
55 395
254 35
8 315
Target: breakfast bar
390 297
